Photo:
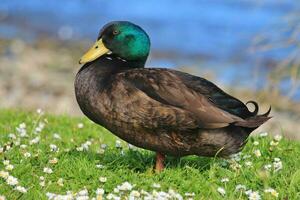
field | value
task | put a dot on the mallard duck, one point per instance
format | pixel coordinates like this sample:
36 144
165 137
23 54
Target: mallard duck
163 110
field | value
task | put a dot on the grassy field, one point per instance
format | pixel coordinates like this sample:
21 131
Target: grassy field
59 157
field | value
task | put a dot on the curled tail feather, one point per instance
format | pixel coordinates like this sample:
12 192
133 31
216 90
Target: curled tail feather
256 108
256 120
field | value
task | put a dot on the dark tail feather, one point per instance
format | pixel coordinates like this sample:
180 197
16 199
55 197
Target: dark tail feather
267 113
256 107
254 121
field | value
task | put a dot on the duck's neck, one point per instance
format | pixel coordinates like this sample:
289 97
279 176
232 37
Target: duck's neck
111 64
100 72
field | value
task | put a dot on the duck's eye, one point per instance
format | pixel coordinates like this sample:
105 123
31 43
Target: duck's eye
116 32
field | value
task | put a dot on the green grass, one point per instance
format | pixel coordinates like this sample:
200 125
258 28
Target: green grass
189 174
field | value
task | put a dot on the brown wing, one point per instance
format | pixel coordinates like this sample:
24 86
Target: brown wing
168 88
132 106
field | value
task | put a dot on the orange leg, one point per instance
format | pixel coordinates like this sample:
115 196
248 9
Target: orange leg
159 165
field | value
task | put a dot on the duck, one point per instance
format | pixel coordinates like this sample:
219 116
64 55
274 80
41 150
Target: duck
170 112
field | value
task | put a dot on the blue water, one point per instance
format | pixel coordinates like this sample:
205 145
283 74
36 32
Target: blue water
215 34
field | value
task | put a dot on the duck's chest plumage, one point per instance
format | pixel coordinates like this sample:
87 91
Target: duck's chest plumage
94 86
107 100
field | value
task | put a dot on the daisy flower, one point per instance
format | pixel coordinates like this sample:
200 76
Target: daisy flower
12 181
21 189
125 186
80 125
272 192
102 179
277 138
47 170
253 195
221 191
257 153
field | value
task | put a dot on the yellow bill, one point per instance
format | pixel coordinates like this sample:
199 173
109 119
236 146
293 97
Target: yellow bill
97 50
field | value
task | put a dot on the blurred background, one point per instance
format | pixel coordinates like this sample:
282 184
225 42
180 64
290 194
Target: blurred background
249 48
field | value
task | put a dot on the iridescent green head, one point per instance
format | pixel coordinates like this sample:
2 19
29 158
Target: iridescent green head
122 38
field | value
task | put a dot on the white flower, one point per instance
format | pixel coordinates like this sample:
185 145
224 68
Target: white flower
102 179
5 162
39 128
255 143
99 166
22 130
23 146
118 144
80 125
112 196
23 133
86 145
27 155
125 186
1 149
9 167
276 159
277 138
272 192
21 189
156 185
42 183
248 163
22 125
225 180
274 143
12 136
267 166
56 136
277 165
4 174
116 190
83 192
12 180
40 111
236 157
235 166
187 194
47 170
50 195
99 192
53 148
66 150
103 146
134 193
263 134
257 153
221 191
85 197
8 146
240 187
253 195
17 142
34 140
101 151
60 182
79 148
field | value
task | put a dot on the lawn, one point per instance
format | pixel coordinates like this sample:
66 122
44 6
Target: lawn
60 157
